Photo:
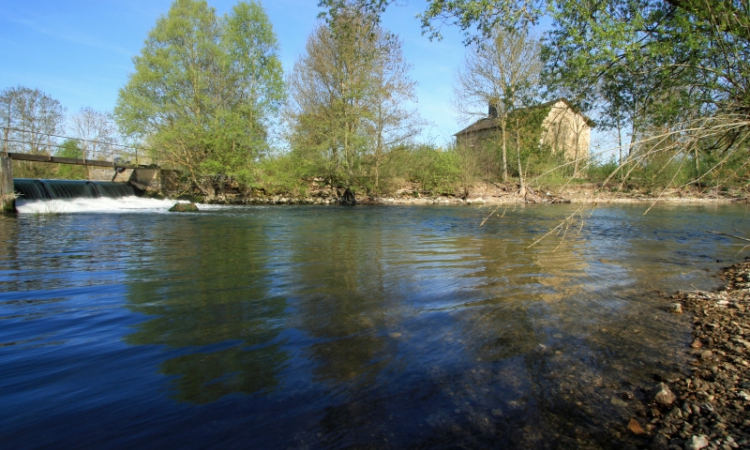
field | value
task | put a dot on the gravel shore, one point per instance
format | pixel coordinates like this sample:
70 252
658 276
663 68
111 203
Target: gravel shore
710 407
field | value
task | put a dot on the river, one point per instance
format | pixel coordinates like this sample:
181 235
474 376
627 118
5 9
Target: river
335 327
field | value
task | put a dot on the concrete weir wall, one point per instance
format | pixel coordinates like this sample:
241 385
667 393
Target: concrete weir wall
145 179
7 197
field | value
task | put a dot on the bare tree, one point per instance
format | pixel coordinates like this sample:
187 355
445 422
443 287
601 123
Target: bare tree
97 133
390 122
30 120
503 74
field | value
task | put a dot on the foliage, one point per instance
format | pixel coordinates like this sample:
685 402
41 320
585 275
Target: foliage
502 73
70 148
204 89
281 174
675 67
348 96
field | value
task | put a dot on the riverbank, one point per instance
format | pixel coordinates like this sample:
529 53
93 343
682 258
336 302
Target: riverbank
485 193
708 407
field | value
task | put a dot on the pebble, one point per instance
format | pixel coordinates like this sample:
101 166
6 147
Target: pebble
715 397
663 395
617 401
696 443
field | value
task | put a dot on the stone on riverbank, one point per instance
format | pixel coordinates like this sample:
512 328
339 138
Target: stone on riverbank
711 408
663 395
696 443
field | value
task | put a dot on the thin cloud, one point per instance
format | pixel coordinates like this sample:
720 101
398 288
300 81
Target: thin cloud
55 29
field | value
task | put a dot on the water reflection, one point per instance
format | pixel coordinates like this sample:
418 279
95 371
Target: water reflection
344 304
213 301
341 327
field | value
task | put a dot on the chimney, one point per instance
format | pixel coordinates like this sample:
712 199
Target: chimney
492 112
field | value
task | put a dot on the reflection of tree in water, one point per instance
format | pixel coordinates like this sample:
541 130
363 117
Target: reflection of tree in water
344 307
525 305
205 377
553 357
211 289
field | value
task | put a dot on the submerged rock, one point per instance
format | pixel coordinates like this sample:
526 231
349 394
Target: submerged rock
663 395
635 427
184 207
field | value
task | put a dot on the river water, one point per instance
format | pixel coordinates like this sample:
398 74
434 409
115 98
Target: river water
334 327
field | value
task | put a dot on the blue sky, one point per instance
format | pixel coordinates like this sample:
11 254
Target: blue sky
80 52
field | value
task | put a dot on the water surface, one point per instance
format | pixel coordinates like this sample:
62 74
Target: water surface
328 327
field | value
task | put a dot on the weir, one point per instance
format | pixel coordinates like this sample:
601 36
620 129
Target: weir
34 189
128 180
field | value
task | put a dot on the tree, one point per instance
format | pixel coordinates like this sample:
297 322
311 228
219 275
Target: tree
651 60
71 148
329 87
347 96
502 74
30 119
257 74
204 89
97 133
390 122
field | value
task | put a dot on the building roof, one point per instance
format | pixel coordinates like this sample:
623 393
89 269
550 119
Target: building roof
488 123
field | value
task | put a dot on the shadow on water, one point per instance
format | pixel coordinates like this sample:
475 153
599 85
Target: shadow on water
336 327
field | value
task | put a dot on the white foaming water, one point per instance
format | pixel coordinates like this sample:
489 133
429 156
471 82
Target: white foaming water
95 205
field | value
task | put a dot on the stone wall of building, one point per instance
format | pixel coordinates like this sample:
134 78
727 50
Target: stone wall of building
566 131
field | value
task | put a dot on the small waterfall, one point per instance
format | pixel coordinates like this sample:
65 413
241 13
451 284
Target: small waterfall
33 189
112 189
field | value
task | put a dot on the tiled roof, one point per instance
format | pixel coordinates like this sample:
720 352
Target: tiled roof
488 122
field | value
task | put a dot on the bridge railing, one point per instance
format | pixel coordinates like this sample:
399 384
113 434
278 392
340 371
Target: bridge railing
18 141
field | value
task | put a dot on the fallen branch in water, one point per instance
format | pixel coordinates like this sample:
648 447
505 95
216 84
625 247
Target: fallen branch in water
565 222
730 235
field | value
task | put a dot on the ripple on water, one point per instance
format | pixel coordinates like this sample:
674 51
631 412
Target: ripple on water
277 327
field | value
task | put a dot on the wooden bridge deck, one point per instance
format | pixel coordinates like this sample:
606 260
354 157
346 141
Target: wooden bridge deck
59 160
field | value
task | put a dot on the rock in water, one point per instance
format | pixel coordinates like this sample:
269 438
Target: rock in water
184 207
676 308
664 395
635 427
696 443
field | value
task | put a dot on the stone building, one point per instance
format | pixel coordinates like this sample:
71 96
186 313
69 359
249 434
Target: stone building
559 126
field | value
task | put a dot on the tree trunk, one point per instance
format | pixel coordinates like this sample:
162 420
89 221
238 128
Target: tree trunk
503 125
577 156
697 163
522 191
619 139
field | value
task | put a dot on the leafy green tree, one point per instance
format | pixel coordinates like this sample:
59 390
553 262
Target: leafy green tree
347 97
71 148
204 90
329 87
675 65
